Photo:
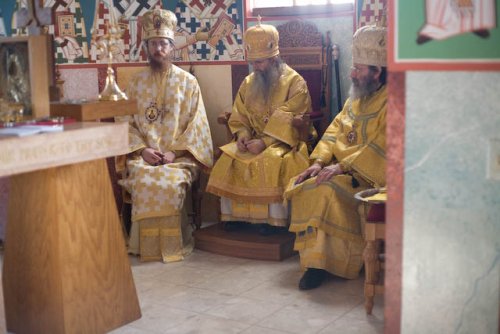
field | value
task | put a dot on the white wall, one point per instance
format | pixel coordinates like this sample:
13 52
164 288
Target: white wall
216 88
451 242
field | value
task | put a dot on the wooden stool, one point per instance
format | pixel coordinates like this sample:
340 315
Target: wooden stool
373 254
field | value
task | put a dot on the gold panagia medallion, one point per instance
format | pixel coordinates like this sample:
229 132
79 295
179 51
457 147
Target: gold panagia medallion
152 112
352 136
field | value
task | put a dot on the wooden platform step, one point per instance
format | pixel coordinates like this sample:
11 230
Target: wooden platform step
245 243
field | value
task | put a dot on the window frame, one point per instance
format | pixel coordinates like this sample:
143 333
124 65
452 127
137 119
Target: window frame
302 10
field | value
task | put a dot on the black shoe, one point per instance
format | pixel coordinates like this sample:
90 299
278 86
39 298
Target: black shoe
312 279
232 226
266 229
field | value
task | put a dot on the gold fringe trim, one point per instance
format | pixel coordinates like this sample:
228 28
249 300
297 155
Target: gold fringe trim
172 258
328 228
156 214
170 232
258 199
271 221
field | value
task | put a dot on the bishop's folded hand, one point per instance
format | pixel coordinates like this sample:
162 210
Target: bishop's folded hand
311 171
241 143
256 146
152 156
328 172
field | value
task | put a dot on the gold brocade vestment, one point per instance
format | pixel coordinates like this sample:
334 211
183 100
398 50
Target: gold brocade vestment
253 182
326 218
158 192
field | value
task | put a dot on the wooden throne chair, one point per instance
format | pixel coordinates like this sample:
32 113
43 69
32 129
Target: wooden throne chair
309 52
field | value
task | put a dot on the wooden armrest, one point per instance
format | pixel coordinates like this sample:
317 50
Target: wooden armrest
223 117
316 115
302 124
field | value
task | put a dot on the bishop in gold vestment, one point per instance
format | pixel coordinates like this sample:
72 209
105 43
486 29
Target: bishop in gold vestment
169 142
349 158
253 171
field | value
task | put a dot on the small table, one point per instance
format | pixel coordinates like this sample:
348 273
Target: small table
65 267
93 110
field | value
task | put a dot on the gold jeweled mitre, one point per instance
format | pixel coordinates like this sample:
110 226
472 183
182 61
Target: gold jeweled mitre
158 23
369 45
261 41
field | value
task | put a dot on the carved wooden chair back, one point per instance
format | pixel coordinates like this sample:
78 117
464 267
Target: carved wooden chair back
304 48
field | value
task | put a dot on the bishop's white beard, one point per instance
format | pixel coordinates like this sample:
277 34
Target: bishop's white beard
264 81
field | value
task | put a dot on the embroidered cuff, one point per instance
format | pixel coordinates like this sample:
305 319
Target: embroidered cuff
138 151
269 140
179 153
320 162
346 168
242 133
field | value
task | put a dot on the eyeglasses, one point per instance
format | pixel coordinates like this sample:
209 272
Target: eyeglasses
355 69
162 44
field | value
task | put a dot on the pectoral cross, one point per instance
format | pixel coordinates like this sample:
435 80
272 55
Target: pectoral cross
34 17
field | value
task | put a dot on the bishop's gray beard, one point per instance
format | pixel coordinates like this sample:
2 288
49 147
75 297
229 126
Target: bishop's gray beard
264 81
363 89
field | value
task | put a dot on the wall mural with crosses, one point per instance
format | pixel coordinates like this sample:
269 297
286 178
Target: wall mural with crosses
370 11
207 30
216 26
126 14
68 28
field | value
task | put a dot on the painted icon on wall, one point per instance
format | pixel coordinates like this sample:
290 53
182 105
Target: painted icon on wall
447 18
25 75
444 35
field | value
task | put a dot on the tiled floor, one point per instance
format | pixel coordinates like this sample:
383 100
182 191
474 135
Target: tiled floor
208 293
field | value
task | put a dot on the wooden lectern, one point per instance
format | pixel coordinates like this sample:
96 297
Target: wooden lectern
65 268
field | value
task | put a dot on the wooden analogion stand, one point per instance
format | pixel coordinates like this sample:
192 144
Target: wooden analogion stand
65 266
